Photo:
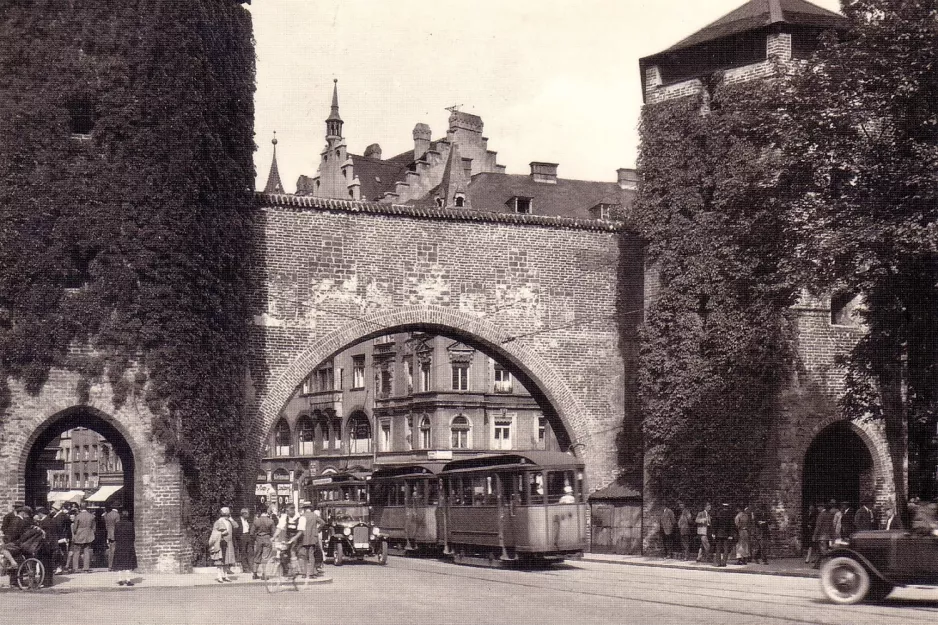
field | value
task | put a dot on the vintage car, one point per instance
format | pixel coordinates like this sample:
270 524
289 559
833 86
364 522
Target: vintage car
871 563
347 537
342 499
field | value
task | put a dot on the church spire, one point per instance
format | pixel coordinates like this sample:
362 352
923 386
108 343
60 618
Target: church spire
273 178
334 122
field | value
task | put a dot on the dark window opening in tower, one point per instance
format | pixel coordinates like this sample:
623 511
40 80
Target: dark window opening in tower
81 116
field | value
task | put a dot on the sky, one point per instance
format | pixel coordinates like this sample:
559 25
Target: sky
553 80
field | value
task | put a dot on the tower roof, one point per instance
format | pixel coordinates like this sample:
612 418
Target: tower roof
334 113
757 14
273 178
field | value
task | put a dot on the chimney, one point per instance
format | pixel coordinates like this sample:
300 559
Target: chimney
421 140
544 172
628 179
373 152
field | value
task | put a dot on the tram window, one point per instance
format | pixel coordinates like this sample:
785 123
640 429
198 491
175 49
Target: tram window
557 483
513 485
536 488
419 496
433 492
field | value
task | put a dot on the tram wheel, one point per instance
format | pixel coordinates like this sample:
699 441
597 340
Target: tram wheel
338 555
30 574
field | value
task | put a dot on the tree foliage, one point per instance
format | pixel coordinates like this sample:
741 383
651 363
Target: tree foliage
717 338
862 159
132 239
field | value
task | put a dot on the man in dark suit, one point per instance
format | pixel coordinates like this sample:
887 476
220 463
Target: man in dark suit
723 531
244 541
863 520
63 535
846 522
49 545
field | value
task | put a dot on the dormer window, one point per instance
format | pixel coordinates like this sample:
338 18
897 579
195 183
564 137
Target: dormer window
460 201
439 202
521 205
81 117
604 210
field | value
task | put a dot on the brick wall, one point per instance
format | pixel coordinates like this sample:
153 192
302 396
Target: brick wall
157 486
546 294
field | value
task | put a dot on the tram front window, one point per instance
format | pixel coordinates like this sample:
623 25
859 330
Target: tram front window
535 486
559 484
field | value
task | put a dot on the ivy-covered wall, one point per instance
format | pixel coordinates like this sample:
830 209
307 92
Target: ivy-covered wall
125 202
718 337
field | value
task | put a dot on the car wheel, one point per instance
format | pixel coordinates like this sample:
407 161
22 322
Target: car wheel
383 552
844 580
338 555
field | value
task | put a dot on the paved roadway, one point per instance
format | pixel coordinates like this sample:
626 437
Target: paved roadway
410 591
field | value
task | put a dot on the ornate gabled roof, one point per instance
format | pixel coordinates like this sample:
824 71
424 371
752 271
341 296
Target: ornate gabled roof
757 14
274 185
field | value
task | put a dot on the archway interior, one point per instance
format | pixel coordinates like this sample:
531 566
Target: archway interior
41 458
838 466
407 392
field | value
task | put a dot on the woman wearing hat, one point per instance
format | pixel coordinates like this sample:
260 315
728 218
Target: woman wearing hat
221 544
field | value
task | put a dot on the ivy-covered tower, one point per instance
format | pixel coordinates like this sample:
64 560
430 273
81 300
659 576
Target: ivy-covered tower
739 377
126 182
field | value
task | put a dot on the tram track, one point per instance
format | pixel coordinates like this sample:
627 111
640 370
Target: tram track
687 593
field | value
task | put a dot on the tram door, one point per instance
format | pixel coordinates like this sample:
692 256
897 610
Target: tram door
413 502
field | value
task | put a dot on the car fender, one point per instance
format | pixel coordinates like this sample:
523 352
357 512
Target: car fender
850 553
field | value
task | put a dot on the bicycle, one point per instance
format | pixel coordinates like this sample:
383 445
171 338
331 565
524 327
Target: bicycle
281 569
28 572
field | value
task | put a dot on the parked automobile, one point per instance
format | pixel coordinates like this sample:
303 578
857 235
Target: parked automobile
871 563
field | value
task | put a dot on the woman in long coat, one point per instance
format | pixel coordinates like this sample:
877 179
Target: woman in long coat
125 556
743 526
221 545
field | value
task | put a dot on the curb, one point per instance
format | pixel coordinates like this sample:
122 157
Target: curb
690 567
64 589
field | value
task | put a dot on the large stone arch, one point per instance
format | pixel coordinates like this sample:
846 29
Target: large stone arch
473 329
872 435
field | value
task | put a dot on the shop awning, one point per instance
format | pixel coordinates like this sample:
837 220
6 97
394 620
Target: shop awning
66 496
104 493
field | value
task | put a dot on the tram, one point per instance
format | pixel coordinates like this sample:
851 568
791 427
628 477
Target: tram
405 504
527 506
490 509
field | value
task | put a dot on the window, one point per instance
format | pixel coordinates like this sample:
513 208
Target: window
85 457
501 431
306 436
425 376
384 382
502 380
460 201
359 434
358 372
282 439
459 431
385 435
94 452
521 205
439 202
307 387
460 376
81 116
94 480
843 309
325 378
409 369
426 435
541 432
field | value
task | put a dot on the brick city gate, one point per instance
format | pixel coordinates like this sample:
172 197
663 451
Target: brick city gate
556 298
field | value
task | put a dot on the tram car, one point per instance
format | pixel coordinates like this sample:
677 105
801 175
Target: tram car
405 504
342 499
528 506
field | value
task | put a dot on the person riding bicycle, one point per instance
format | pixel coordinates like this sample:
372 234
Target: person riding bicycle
289 530
22 537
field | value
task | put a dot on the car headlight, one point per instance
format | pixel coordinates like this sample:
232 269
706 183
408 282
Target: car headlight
376 531
347 531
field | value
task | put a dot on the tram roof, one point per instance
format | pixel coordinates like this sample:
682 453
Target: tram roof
329 479
516 460
407 469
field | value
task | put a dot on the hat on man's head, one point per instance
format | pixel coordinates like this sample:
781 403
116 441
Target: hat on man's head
306 504
41 510
225 510
27 510
832 502
18 505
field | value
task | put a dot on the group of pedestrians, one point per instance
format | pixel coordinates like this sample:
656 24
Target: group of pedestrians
251 542
721 534
830 522
63 538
